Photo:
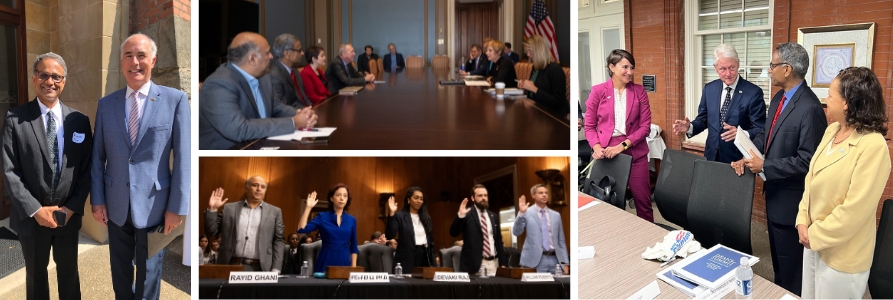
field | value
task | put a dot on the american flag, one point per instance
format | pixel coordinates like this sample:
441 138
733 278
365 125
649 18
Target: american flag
540 24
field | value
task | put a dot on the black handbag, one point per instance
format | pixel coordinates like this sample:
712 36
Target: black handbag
604 190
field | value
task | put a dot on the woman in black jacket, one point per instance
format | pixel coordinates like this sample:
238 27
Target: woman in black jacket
502 69
412 227
547 84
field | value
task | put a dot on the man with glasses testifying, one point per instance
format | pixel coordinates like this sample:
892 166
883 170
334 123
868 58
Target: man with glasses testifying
46 173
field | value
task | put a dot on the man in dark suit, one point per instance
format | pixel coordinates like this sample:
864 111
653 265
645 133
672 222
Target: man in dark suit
364 59
511 55
261 251
341 73
478 64
291 260
236 103
46 169
480 230
726 104
287 88
393 61
788 143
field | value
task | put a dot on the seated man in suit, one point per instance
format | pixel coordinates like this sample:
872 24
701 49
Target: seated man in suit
393 61
286 86
477 65
726 104
363 60
291 260
236 102
340 73
545 246
261 251
480 229
511 55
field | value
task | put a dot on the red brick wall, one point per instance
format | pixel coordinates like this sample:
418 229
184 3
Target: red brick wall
147 12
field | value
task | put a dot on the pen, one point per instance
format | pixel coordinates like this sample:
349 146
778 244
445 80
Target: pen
309 129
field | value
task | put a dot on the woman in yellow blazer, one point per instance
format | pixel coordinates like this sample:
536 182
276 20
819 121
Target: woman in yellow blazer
847 175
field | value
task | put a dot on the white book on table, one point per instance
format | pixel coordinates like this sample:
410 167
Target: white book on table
299 134
476 83
743 143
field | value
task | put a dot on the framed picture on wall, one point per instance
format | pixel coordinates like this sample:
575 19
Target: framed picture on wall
829 60
833 48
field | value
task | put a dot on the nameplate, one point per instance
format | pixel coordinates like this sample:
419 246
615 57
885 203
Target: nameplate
362 277
451 276
529 277
253 277
649 292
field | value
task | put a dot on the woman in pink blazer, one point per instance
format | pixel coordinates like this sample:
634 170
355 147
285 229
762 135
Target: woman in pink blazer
617 120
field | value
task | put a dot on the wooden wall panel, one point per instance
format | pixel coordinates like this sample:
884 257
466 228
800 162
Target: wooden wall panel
474 22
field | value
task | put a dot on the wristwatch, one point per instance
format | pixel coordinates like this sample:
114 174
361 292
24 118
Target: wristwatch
625 145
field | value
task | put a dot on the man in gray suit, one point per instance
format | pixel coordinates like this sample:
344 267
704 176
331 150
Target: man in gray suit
236 103
545 246
287 88
341 73
252 228
46 169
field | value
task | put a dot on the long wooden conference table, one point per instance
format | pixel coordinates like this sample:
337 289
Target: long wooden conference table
618 270
412 111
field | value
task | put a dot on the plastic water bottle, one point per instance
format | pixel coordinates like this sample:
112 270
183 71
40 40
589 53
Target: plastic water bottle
744 279
305 270
398 271
483 271
559 272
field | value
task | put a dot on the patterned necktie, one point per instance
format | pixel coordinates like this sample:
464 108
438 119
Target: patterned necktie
54 147
544 225
777 113
725 105
134 124
485 233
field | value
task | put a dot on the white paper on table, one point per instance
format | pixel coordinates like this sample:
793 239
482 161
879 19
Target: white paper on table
788 297
477 83
742 141
585 252
649 292
378 82
299 134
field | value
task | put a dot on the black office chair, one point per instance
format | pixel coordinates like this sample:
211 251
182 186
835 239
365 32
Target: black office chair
880 279
720 205
374 257
309 253
673 186
618 168
514 257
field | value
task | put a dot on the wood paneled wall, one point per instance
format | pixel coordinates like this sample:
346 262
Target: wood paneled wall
474 22
445 182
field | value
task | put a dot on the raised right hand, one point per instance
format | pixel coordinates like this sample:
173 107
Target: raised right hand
44 216
392 205
311 200
681 126
216 200
462 209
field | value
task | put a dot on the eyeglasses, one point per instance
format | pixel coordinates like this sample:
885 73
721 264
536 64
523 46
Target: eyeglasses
295 50
56 78
772 66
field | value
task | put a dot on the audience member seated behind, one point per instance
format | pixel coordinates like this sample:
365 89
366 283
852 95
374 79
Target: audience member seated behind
378 238
364 59
502 69
291 261
511 55
314 78
394 60
341 73
547 84
230 114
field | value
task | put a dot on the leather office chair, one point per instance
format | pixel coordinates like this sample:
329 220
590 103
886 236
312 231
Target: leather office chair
309 253
523 69
674 184
720 206
880 278
376 258
514 257
567 82
415 61
375 68
450 257
440 62
618 168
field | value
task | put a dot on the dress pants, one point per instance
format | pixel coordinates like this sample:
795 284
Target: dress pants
639 181
547 264
822 282
128 248
36 249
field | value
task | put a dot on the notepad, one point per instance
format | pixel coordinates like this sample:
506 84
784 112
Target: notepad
300 134
477 83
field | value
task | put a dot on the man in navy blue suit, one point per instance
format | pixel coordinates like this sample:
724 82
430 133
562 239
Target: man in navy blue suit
726 104
511 55
393 60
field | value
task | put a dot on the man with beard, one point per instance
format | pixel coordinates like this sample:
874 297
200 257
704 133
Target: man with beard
236 102
480 230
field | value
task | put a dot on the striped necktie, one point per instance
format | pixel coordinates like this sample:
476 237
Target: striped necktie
133 125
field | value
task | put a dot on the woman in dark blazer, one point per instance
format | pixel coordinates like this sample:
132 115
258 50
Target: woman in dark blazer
547 84
363 60
313 76
502 69
415 241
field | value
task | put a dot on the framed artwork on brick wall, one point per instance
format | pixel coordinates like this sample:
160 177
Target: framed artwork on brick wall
833 48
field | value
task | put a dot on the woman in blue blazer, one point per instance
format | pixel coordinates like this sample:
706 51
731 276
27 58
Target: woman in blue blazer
337 229
416 242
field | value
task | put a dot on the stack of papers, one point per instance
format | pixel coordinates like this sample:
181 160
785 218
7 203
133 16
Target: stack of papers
742 141
300 134
707 273
476 83
473 77
351 90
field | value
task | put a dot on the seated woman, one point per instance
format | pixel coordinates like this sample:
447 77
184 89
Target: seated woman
502 69
204 250
547 84
337 229
412 226
313 76
363 60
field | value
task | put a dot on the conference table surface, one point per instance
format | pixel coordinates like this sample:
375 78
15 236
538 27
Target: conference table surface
618 270
413 111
